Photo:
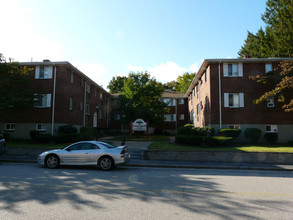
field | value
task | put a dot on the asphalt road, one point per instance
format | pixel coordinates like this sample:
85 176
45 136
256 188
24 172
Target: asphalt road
28 191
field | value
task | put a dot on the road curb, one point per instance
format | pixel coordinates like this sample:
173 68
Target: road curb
177 166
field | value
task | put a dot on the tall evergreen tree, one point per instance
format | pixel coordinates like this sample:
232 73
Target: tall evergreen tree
277 39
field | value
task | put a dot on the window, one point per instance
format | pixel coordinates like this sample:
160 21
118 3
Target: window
41 127
70 103
170 102
170 117
72 77
268 67
88 88
10 127
181 117
43 100
205 76
270 102
233 100
206 103
43 72
88 109
117 116
81 106
233 69
271 128
180 101
101 96
234 126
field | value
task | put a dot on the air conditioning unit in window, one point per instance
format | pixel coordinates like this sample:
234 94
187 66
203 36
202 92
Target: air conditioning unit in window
270 105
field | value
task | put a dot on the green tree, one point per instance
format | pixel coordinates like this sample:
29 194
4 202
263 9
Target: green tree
15 96
171 85
282 81
181 84
184 82
277 39
116 85
140 98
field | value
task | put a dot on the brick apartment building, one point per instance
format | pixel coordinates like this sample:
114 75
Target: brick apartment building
176 117
221 95
66 97
178 111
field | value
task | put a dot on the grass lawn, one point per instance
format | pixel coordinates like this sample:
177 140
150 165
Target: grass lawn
244 148
32 144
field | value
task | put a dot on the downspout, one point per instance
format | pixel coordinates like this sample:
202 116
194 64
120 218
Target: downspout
84 104
53 104
108 106
220 97
176 112
198 85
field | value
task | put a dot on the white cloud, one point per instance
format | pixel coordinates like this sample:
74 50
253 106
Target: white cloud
19 40
165 72
96 72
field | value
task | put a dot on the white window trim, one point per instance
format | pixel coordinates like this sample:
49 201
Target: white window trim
273 129
240 70
241 100
235 126
270 102
48 70
48 103
11 127
43 127
170 117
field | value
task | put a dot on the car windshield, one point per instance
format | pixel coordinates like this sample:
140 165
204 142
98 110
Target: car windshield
108 145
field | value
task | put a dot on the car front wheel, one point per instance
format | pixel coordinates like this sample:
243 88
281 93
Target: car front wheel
106 163
52 161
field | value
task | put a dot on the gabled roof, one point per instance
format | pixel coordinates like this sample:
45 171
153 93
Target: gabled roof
207 62
62 63
171 94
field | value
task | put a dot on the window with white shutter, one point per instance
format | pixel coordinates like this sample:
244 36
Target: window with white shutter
233 69
233 100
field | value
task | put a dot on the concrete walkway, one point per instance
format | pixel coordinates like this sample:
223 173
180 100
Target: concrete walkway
25 155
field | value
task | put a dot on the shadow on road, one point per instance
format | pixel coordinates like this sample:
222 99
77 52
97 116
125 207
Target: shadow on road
179 187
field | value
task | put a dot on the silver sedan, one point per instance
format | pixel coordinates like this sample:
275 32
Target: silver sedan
102 154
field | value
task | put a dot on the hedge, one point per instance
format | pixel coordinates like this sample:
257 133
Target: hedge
271 137
252 134
234 133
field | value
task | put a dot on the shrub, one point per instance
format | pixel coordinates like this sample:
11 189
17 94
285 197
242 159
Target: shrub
271 137
188 139
252 134
6 136
234 133
67 129
34 134
186 129
44 138
218 140
65 138
203 131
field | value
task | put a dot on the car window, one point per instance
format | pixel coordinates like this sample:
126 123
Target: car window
86 146
108 145
75 147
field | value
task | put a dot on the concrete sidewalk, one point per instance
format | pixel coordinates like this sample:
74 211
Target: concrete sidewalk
24 157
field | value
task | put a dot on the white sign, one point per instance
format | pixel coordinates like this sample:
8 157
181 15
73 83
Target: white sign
139 125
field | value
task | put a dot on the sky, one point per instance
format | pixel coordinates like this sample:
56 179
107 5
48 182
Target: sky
109 38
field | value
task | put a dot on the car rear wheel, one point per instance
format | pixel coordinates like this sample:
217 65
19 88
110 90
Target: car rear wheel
52 161
106 163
